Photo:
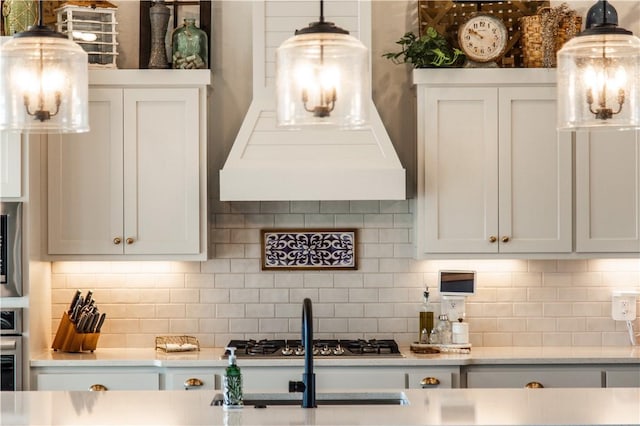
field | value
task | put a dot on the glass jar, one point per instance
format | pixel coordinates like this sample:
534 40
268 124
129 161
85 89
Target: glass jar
190 46
444 329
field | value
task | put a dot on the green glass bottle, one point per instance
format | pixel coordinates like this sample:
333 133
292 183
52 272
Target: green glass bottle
190 46
232 383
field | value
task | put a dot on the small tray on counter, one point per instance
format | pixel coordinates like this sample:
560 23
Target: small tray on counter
177 343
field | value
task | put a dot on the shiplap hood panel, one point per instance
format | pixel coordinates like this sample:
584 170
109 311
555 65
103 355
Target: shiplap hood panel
269 163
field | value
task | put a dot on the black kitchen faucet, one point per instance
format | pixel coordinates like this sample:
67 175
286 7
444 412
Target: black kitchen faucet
308 384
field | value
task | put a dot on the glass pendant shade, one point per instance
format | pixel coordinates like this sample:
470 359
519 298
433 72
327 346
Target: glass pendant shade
599 79
43 84
322 78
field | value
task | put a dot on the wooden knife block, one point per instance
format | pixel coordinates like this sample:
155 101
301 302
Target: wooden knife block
68 339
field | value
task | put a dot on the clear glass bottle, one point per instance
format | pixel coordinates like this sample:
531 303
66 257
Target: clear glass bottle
190 46
444 329
426 318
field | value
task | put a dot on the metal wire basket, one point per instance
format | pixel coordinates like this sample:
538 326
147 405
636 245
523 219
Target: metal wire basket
177 343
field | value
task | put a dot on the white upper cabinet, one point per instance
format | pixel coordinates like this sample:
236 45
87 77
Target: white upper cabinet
494 175
10 165
135 185
608 192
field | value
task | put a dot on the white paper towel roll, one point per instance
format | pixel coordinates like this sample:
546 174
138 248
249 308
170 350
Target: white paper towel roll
460 332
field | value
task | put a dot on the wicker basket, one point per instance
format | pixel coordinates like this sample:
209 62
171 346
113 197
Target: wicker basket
446 16
540 54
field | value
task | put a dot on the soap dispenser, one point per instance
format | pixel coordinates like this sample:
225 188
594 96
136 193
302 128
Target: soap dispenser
232 383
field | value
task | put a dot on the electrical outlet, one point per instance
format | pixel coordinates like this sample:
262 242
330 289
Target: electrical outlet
623 307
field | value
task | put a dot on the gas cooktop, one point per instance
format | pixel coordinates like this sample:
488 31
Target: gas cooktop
321 348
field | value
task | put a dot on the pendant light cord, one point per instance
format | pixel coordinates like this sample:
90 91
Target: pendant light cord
321 10
40 14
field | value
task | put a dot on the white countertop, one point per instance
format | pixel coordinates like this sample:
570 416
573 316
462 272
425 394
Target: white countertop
211 357
426 407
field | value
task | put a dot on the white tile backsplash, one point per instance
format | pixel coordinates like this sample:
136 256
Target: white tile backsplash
518 302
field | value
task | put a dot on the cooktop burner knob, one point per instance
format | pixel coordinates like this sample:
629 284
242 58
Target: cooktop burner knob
287 350
299 351
316 351
325 350
338 350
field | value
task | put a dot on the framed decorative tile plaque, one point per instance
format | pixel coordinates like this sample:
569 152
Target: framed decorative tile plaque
310 249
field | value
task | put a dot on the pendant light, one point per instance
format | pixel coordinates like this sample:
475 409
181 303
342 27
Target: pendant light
322 78
43 82
599 75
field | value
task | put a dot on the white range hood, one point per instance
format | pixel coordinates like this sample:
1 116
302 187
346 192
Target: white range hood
267 163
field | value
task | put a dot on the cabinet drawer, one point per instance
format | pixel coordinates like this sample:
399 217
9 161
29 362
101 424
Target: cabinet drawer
574 377
623 378
83 381
192 380
432 379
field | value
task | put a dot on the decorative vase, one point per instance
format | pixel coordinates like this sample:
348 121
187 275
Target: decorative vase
190 46
19 15
159 17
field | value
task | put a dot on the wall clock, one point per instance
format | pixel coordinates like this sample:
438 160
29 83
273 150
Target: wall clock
483 39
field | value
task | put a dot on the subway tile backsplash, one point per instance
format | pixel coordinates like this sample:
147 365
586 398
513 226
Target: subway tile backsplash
518 302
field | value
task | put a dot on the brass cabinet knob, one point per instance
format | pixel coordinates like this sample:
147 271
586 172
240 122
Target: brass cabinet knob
97 388
429 381
192 383
117 240
492 239
505 239
534 385
130 240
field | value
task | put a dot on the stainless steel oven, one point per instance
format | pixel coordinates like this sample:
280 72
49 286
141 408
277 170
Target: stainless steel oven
11 349
10 249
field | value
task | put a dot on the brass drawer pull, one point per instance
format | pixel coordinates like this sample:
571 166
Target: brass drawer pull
534 385
130 240
429 381
505 239
492 239
117 240
193 383
97 388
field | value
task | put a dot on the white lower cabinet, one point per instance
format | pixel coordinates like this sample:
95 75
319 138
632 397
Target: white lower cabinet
557 376
104 380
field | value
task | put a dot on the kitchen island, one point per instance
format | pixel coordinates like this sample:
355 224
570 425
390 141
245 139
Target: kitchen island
425 407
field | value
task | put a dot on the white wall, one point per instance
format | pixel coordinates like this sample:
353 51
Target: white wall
519 302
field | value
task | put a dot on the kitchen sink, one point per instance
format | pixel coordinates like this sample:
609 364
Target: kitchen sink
338 398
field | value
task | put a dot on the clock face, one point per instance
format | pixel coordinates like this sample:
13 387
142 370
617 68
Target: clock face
483 37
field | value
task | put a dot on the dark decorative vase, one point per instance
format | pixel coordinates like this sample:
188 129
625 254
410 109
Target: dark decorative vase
159 17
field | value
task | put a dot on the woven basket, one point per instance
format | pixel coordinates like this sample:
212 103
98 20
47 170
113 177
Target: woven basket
537 54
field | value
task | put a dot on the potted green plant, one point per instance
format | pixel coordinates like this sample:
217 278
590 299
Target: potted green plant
429 50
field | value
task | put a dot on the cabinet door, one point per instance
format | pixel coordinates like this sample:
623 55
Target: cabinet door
192 379
608 191
458 195
85 181
10 165
535 211
548 377
161 171
623 377
84 381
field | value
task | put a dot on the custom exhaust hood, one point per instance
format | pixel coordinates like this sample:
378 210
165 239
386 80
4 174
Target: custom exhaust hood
267 163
